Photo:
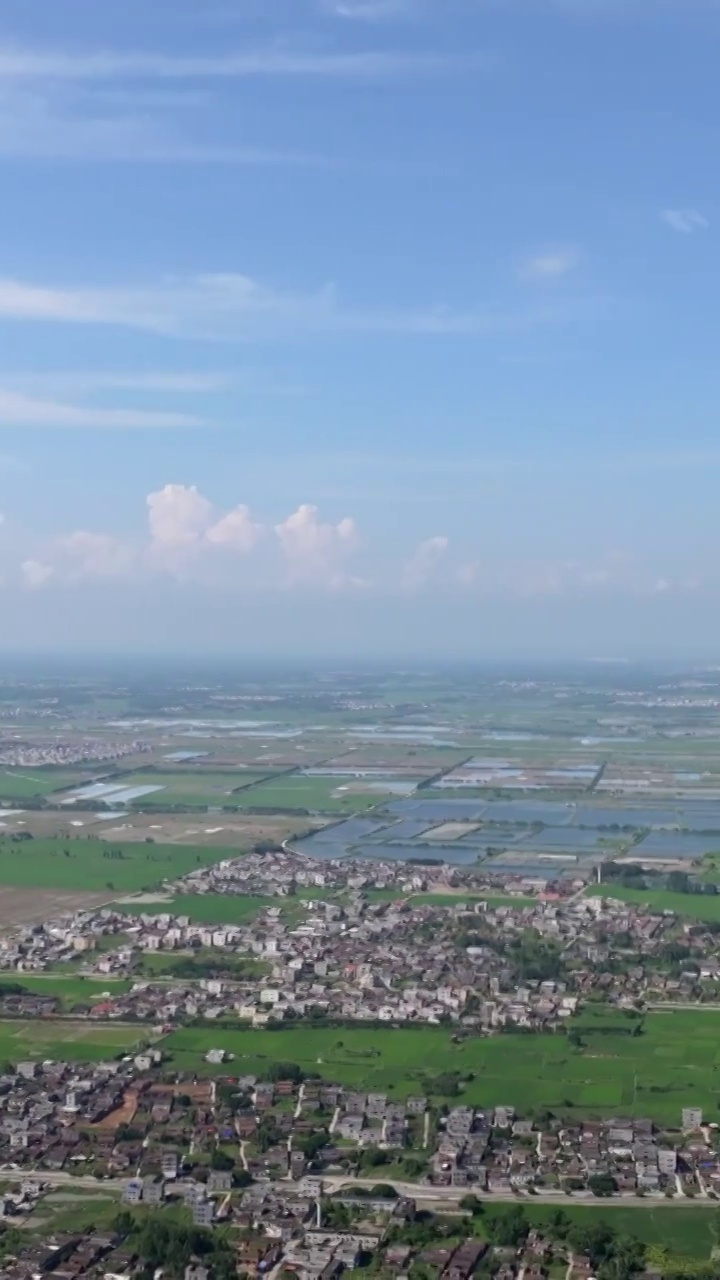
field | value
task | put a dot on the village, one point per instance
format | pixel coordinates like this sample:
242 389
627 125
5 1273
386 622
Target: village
315 1178
337 948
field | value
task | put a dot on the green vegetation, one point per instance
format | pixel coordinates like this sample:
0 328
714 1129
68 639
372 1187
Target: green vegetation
617 1064
191 789
213 963
460 899
166 1247
695 906
83 863
71 990
322 795
35 783
690 1232
65 1040
76 1209
206 908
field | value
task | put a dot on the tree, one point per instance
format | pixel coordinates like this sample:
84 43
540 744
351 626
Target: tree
221 1161
471 1204
509 1230
602 1184
313 1144
286 1071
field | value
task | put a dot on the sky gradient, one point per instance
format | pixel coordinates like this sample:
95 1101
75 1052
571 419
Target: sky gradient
360 326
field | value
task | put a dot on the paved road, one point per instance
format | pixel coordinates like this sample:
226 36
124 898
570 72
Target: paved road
450 1196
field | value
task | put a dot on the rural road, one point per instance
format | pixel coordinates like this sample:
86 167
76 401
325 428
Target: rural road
450 1196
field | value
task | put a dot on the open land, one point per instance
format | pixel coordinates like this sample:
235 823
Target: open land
87 864
65 1041
693 906
206 908
675 1062
35 905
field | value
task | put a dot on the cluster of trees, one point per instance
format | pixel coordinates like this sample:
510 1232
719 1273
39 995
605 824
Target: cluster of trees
170 1247
612 1254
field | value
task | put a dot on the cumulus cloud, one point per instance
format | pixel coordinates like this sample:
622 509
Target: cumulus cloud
421 566
685 221
183 523
236 531
314 551
88 555
178 516
190 538
35 574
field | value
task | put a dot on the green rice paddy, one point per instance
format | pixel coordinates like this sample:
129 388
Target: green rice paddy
206 908
674 1062
322 795
64 1041
695 906
79 862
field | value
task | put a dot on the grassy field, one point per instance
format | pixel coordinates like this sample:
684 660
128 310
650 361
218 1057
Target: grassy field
682 1231
162 964
674 1062
29 784
84 864
460 899
296 792
207 908
191 788
695 906
64 1040
72 990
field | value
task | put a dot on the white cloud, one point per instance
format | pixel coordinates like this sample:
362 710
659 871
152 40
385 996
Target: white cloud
422 565
183 523
273 61
178 516
237 531
236 308
89 555
552 264
35 574
686 221
59 120
18 410
314 551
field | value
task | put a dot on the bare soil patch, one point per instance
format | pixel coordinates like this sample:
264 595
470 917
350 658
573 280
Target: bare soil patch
123 1114
34 906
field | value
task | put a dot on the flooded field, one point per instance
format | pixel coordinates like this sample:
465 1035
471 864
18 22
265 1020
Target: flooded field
545 838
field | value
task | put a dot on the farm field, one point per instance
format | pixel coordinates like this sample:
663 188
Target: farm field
72 989
685 1232
193 788
673 1062
696 906
206 908
65 1040
29 784
324 795
88 864
199 964
457 899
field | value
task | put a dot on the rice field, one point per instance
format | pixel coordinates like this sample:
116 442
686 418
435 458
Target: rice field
673 1062
82 863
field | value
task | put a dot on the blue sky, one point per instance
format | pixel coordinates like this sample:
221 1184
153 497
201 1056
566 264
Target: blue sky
359 325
